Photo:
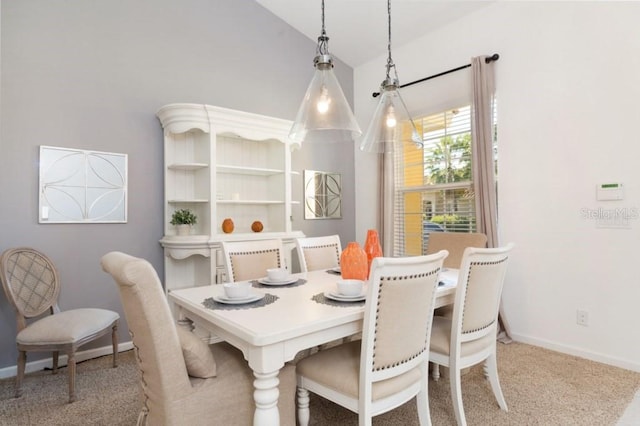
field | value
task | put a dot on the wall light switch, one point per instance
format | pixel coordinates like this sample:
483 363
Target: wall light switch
609 192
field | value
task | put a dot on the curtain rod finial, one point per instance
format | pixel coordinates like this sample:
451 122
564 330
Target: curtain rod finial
491 58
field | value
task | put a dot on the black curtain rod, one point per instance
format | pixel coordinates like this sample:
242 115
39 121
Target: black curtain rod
487 60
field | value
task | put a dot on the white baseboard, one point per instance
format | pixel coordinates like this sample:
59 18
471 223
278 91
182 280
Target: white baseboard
631 415
582 353
41 364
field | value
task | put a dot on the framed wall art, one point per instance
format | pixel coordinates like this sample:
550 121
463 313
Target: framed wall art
322 195
79 186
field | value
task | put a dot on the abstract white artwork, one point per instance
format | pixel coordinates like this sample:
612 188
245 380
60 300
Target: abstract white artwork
79 186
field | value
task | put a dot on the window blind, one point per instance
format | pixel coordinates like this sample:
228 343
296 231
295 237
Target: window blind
433 185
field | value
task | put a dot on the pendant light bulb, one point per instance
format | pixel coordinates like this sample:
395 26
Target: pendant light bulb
324 101
391 117
325 114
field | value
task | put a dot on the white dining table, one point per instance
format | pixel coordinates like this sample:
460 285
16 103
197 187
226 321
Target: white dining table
272 334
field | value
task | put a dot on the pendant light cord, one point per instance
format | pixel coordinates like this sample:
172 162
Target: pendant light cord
323 32
390 63
323 40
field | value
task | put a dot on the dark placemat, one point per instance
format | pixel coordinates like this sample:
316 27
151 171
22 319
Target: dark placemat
320 298
268 299
256 284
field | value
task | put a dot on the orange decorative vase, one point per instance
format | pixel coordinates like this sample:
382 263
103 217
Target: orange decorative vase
227 226
353 262
372 247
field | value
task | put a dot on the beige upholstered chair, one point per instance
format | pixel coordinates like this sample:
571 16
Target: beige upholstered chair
454 243
184 381
316 253
32 286
249 260
469 338
388 367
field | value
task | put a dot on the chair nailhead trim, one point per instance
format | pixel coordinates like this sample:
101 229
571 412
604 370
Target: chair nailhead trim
335 246
144 383
471 265
384 280
244 253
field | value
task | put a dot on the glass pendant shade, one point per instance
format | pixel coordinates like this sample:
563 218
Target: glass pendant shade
325 114
390 125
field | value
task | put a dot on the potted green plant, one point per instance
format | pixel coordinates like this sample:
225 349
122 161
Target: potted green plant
183 220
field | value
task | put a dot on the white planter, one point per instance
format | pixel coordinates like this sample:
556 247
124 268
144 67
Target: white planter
183 229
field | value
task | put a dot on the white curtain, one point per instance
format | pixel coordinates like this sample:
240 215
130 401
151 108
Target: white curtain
482 127
482 150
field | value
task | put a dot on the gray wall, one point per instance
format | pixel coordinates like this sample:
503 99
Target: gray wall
91 75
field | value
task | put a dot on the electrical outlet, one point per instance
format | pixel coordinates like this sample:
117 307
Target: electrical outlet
582 318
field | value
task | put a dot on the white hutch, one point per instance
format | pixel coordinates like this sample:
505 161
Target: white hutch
220 164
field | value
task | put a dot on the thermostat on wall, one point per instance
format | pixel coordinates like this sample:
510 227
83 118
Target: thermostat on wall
609 191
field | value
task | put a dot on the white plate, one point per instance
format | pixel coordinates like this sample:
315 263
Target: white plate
253 297
340 298
267 281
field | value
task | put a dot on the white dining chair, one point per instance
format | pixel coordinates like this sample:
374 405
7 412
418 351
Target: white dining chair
469 337
316 253
249 260
388 367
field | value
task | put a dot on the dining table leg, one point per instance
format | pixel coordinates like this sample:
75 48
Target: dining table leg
266 395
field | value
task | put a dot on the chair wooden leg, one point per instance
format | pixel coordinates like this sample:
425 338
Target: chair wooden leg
456 394
435 372
422 399
71 365
303 406
114 340
54 369
22 362
364 419
491 365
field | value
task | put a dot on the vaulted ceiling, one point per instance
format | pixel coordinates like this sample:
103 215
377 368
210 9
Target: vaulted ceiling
358 29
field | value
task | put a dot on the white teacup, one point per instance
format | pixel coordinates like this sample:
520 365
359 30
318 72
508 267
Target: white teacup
237 290
277 274
350 287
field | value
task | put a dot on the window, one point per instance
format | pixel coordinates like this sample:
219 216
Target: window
433 185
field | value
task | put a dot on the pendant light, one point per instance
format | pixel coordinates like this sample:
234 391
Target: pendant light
391 123
325 115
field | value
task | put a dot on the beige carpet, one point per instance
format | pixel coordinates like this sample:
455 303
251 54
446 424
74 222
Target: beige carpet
541 388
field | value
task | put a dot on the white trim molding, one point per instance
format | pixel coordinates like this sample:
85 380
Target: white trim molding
572 350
